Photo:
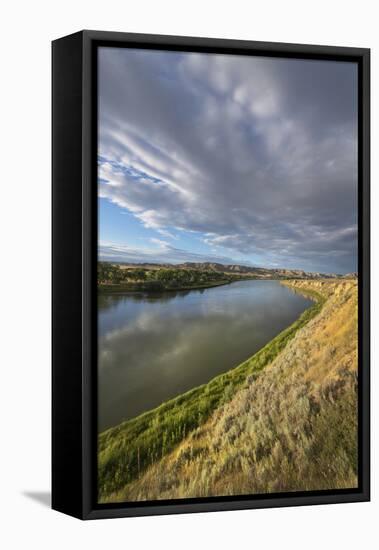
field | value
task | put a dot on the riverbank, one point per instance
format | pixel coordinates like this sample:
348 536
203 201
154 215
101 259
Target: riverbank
129 449
119 279
141 288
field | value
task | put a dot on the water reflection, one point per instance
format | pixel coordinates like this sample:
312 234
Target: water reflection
153 347
106 301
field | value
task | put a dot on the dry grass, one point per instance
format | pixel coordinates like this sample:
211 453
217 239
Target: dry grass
290 427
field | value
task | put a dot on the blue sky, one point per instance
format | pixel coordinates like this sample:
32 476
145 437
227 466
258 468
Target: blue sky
227 158
122 232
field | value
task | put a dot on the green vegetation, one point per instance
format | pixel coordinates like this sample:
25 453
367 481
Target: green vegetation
113 278
127 450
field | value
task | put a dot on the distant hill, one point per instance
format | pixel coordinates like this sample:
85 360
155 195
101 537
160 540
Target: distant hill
244 270
260 272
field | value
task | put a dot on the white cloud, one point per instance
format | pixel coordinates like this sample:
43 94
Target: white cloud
159 242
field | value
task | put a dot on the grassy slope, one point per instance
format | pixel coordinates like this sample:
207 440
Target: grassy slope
290 426
130 448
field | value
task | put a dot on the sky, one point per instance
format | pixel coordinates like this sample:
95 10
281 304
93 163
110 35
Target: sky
224 158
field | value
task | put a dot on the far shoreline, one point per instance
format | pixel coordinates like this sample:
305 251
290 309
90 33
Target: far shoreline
116 290
111 289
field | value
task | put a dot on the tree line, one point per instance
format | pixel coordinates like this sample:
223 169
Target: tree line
156 279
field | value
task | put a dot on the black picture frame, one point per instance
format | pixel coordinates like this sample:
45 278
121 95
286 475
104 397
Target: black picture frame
74 313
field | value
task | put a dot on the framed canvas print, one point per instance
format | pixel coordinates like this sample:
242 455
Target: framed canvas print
210 275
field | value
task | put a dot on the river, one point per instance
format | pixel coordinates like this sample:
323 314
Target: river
154 347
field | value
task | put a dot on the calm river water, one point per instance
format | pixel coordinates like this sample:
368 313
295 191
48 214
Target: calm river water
154 347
